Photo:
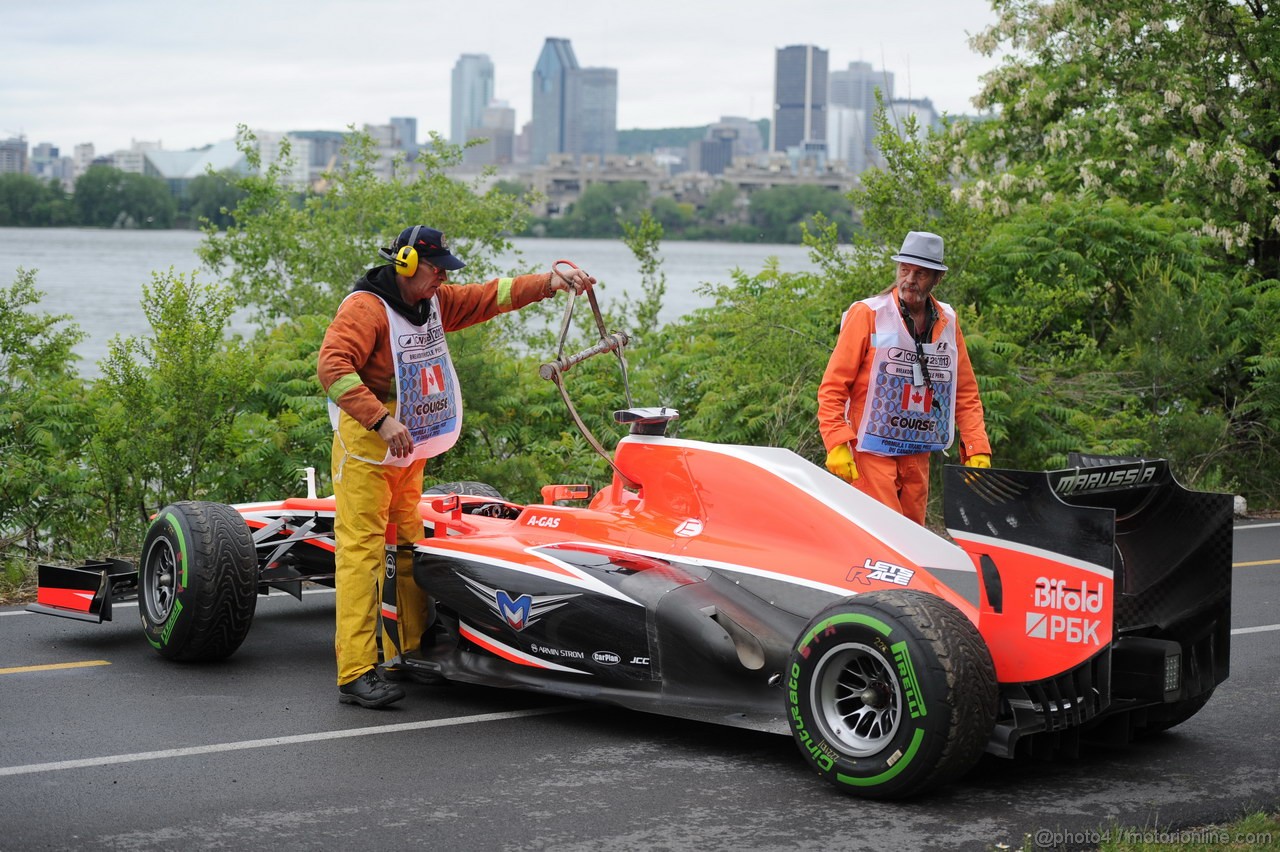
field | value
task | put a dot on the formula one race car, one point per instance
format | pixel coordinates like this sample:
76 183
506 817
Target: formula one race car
745 586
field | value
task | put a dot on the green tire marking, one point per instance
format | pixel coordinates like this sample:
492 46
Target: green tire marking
890 773
182 544
847 618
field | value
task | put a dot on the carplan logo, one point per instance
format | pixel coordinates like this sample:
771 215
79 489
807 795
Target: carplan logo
519 612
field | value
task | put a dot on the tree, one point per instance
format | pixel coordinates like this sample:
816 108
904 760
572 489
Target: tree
779 214
210 198
28 201
43 423
106 197
601 209
166 405
290 254
1167 101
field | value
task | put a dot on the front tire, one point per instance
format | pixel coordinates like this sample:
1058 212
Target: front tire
197 581
891 693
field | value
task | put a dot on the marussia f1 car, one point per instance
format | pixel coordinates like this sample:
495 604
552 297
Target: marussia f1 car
746 586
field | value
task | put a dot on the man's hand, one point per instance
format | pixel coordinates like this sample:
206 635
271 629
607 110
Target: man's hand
575 279
397 436
979 460
840 462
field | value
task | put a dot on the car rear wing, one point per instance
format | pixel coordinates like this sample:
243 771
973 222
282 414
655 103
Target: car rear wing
1109 552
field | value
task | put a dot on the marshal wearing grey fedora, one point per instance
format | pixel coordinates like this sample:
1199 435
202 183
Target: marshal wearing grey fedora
898 384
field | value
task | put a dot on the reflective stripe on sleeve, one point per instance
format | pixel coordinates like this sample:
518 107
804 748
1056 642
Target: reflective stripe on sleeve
344 384
504 294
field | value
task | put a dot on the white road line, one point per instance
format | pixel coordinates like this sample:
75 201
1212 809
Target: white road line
111 760
1266 628
1241 527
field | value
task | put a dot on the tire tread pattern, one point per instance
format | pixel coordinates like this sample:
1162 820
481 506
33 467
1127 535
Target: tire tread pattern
221 594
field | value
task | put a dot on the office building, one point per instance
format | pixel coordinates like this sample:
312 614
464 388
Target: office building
799 97
550 93
591 104
13 155
498 130
472 91
406 134
855 88
921 109
575 109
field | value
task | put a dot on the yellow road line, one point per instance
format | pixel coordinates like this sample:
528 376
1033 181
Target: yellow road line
53 666
1255 564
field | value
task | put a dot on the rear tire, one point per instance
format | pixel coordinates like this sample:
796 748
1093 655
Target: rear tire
891 693
197 581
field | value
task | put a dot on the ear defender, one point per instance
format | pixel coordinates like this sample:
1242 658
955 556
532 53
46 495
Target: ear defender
406 261
406 257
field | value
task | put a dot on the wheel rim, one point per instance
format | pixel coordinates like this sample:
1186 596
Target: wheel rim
857 698
158 580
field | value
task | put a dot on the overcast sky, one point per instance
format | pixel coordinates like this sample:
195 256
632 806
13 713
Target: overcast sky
185 73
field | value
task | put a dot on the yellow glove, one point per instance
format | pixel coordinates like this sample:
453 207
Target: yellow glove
840 462
979 460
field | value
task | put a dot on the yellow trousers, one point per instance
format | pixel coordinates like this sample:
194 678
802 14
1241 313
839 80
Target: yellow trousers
368 497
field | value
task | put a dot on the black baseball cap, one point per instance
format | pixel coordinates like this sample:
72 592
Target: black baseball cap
431 246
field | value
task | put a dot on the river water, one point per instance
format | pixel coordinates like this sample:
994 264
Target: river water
96 276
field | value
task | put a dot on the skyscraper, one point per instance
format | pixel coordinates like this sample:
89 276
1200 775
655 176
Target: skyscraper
592 108
472 91
855 88
550 93
799 97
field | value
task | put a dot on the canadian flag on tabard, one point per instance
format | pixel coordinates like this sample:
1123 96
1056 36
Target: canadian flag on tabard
917 399
432 380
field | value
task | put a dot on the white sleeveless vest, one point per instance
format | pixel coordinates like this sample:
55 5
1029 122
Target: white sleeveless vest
428 401
903 415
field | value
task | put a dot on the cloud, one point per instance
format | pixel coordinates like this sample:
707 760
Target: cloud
187 74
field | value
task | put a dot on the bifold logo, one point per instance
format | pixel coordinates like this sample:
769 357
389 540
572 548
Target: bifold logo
1063 628
1051 593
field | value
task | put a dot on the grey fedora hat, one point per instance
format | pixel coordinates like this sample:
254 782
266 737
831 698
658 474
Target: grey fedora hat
922 249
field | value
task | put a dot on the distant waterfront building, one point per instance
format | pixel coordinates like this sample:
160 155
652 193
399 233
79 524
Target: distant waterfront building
855 88
47 163
498 129
178 168
921 109
747 141
550 92
575 109
799 97
13 155
471 93
81 159
406 134
847 140
592 107
270 148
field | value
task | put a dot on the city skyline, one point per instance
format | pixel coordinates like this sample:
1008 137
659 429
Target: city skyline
116 76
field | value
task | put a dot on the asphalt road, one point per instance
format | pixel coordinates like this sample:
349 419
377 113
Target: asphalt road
107 746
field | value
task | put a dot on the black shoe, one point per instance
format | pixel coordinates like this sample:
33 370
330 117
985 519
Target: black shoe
400 674
369 690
